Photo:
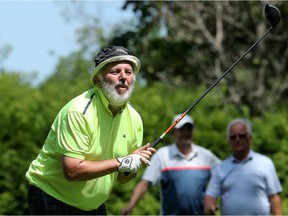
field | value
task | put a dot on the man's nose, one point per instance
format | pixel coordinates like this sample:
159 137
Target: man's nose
122 75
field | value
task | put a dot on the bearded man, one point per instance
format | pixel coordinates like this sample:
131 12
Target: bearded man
94 141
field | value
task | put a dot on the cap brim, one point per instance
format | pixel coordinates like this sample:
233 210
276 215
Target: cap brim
134 60
181 124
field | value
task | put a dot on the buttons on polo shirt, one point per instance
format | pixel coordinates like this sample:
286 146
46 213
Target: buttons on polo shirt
193 156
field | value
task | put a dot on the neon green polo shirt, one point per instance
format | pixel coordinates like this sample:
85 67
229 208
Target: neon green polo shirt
85 129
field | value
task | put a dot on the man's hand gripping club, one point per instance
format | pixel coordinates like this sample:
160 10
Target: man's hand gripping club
134 161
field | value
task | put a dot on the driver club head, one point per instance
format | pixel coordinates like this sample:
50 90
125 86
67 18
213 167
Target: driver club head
272 15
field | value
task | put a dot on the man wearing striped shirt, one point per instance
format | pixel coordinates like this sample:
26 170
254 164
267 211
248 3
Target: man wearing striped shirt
183 170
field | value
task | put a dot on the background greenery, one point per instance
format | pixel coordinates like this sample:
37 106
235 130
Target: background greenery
184 47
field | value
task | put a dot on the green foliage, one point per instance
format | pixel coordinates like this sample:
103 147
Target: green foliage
71 78
21 127
26 116
271 138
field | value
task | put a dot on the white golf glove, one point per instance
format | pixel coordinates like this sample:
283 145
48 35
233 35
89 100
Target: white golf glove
130 163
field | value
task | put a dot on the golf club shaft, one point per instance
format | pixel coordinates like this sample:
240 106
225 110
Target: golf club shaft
208 90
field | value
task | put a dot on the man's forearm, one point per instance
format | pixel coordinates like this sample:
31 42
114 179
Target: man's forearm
276 207
83 170
209 205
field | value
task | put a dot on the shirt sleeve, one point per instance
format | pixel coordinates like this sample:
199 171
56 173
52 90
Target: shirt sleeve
214 185
214 160
273 183
74 135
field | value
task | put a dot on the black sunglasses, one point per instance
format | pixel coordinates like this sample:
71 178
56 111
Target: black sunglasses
240 136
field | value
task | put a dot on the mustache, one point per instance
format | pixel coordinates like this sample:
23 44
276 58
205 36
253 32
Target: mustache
121 84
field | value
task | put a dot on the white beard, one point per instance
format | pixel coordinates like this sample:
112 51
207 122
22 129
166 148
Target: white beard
115 99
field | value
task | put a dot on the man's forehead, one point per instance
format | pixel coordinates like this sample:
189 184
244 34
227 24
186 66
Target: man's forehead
119 63
238 126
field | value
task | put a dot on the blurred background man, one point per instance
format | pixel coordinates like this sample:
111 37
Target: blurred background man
247 181
183 170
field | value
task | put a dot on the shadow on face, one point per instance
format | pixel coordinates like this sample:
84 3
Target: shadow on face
183 134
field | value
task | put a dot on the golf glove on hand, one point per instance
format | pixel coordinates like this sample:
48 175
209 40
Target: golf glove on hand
130 163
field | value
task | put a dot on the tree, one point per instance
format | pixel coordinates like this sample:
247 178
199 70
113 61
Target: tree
194 42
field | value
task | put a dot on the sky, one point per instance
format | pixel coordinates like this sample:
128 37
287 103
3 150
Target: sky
36 29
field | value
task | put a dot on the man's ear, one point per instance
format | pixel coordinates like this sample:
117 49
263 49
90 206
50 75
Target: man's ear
97 81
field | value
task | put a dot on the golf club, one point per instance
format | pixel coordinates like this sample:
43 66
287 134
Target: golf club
273 16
